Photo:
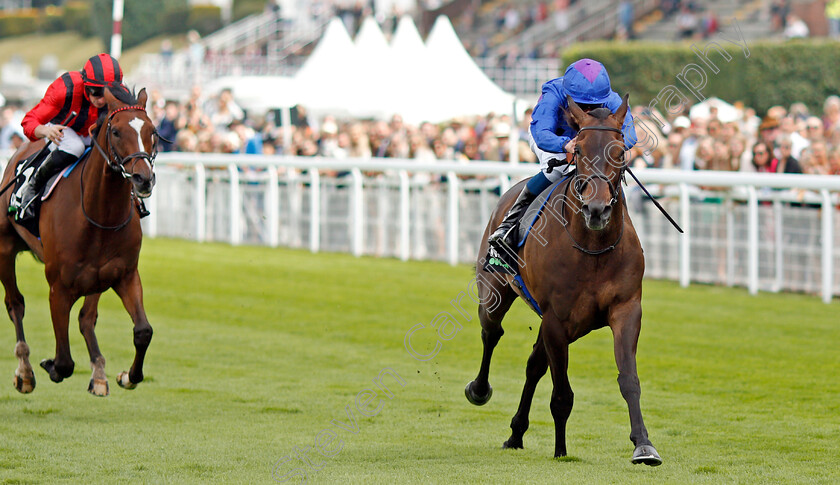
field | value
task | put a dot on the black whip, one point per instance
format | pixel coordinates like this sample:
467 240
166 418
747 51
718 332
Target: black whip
658 206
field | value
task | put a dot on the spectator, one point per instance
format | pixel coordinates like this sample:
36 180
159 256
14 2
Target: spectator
814 129
831 112
169 126
832 13
763 160
224 110
787 163
671 159
796 28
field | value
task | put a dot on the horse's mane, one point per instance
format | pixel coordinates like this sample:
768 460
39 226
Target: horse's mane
600 113
123 95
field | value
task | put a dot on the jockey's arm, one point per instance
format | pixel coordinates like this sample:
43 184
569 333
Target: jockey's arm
45 110
629 130
545 121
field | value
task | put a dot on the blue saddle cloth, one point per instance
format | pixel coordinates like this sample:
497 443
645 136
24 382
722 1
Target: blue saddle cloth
533 212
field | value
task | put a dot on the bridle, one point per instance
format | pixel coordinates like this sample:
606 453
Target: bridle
114 160
117 163
580 185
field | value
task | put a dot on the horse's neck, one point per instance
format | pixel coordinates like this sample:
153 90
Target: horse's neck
106 194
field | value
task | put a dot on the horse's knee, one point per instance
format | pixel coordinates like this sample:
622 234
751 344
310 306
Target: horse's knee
84 315
629 386
491 335
15 306
142 336
561 406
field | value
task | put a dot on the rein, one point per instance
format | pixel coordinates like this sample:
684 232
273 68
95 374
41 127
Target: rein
94 223
117 164
577 245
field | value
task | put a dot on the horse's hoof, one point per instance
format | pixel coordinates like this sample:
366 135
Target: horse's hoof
475 398
512 444
124 381
49 366
24 386
646 454
99 387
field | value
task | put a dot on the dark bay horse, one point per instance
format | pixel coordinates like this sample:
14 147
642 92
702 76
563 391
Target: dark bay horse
90 241
584 269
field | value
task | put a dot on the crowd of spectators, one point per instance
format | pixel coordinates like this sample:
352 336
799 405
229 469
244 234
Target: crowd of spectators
217 124
786 140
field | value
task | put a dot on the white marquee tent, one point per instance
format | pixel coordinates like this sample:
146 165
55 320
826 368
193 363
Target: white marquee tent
432 81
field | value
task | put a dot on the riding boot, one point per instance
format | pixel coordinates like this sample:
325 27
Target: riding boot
516 211
54 162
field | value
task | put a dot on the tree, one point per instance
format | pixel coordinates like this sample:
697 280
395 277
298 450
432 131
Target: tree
142 20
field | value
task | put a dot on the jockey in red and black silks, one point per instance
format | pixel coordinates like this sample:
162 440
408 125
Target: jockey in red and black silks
80 92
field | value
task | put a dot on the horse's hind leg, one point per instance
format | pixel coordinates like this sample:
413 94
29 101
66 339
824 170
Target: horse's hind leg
537 365
496 297
87 323
130 291
626 322
24 380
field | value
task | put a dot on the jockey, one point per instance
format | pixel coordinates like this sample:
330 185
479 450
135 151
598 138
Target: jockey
551 137
82 92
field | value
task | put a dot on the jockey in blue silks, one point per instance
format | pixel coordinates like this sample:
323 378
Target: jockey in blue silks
551 137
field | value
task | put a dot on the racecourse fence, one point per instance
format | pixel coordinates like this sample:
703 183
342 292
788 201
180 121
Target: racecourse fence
765 232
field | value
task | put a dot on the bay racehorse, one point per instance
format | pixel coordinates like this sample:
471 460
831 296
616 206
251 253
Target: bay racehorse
90 240
584 271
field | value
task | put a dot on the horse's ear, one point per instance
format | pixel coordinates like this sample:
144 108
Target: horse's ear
574 115
621 112
110 100
142 97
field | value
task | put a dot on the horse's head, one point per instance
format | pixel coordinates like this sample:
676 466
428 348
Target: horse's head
129 138
599 156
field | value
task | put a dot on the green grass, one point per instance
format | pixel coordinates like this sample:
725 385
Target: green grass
257 350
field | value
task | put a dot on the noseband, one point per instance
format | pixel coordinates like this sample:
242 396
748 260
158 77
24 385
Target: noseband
580 185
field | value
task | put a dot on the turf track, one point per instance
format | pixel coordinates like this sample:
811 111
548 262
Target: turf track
257 350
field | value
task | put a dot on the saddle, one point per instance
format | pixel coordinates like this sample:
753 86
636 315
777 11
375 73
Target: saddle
503 259
23 173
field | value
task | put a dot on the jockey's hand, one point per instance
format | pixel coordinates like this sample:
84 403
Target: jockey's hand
53 133
570 147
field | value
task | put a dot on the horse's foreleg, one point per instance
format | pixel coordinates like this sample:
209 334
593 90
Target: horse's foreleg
537 365
24 380
626 323
87 323
562 397
495 302
60 304
130 292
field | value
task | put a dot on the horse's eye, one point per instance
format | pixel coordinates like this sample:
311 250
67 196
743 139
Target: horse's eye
115 133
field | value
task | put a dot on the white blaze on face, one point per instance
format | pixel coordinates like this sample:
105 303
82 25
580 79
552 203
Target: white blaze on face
137 124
